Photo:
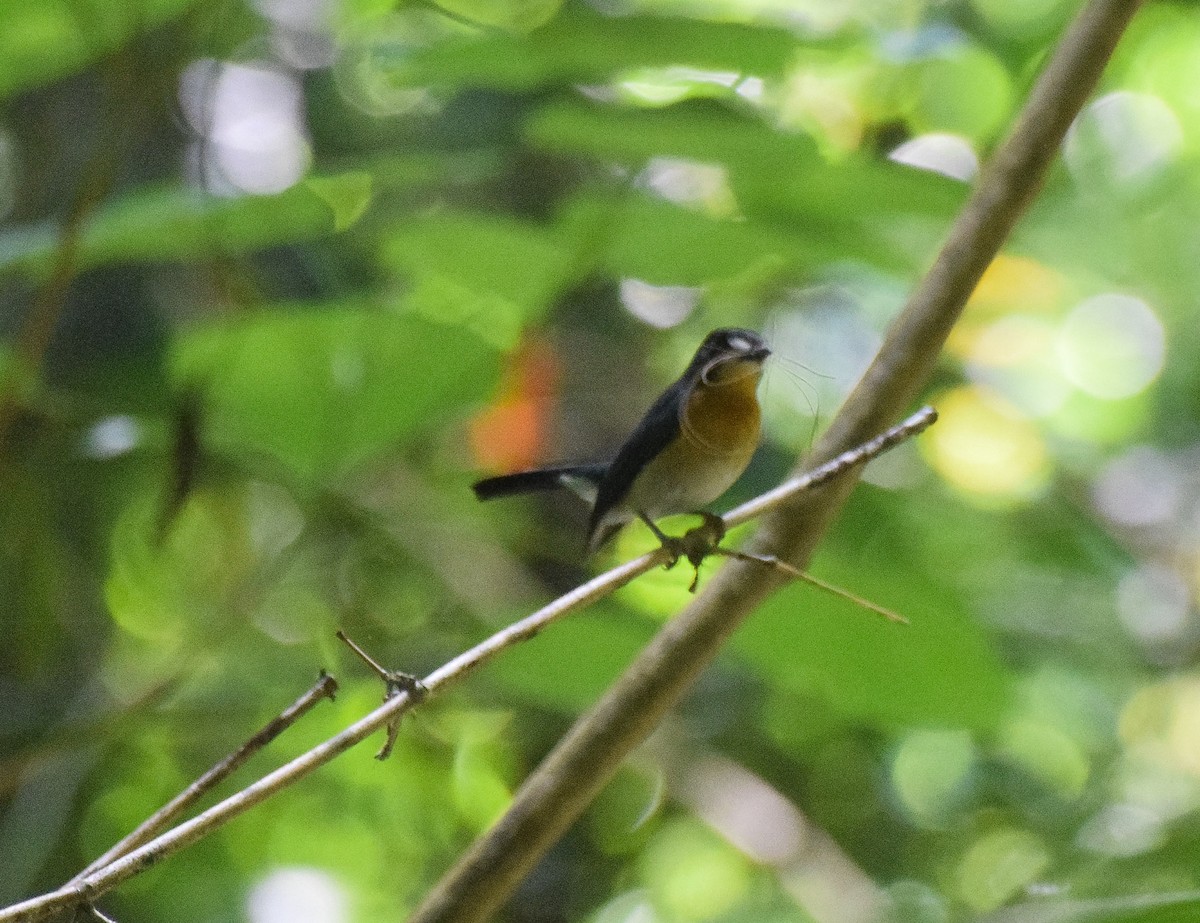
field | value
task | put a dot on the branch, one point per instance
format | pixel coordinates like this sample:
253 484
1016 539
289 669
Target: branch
119 125
85 888
586 759
324 688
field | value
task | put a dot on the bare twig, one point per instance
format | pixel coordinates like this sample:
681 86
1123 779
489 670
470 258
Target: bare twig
838 465
557 792
795 573
394 682
324 688
124 102
85 889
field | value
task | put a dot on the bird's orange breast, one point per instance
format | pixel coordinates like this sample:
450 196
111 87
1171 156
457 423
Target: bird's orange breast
722 417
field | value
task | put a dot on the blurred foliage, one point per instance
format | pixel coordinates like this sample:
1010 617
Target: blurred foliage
281 279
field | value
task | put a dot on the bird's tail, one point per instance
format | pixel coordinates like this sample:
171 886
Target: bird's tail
582 479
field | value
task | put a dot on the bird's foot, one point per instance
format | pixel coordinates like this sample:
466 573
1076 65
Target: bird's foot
695 544
701 541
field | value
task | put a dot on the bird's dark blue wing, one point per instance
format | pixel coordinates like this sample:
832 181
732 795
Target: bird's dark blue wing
657 429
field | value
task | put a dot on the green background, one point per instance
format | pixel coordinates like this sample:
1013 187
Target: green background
278 281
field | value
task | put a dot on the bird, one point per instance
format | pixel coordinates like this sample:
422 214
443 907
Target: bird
689 448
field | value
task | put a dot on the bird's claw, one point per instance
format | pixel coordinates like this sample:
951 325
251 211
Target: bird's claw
696 544
397 681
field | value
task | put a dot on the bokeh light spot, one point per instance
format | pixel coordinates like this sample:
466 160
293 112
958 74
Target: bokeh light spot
702 186
112 437
1015 357
1163 721
660 306
692 874
999 865
1154 603
1167 62
916 902
297 895
982 445
1011 340
1143 487
252 115
938 152
1122 830
1123 139
1046 753
930 771
629 907
823 96
1016 282
1112 346
966 92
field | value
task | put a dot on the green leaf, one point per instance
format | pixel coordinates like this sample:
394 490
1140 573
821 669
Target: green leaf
493 273
580 44
570 664
511 15
665 244
876 211
49 39
167 223
323 391
347 196
702 130
940 670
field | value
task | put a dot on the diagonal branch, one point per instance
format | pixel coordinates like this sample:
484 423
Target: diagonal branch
584 761
160 820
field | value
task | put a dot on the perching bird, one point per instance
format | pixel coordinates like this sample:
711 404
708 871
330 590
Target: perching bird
688 449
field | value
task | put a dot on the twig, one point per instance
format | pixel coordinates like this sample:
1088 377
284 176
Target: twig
394 682
324 688
836 466
794 572
117 131
87 888
557 792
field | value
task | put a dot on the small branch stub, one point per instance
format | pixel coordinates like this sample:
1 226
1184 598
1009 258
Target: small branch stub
395 682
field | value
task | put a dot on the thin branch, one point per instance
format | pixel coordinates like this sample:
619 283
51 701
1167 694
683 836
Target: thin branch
96 913
85 889
838 465
324 688
558 791
769 560
124 101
